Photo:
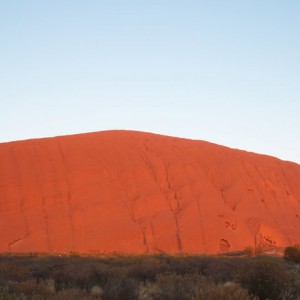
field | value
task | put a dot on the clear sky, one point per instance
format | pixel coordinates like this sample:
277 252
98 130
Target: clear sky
222 71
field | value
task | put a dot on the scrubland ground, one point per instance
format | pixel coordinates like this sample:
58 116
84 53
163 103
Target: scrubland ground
148 277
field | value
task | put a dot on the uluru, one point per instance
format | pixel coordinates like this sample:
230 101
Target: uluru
135 192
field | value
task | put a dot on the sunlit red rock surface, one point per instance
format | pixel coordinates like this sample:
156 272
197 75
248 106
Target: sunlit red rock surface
133 192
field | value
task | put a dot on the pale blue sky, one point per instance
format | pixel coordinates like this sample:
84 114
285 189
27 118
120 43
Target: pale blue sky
223 71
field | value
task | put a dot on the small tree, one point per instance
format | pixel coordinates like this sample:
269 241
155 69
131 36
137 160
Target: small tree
292 254
265 277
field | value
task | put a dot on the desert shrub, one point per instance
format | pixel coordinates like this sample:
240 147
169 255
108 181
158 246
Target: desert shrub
146 268
81 275
6 295
29 288
147 290
197 264
74 273
295 284
11 270
186 264
192 286
121 287
73 293
96 274
96 291
43 267
101 274
172 286
50 284
292 254
221 269
265 277
227 291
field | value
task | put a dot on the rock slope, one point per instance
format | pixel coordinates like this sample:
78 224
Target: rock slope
135 192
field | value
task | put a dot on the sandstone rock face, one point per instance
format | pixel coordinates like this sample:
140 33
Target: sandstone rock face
134 192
